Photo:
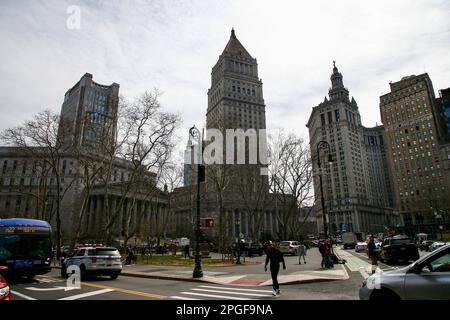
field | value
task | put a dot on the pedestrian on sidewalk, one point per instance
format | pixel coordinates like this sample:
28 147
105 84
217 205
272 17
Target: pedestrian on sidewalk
328 261
322 253
301 253
275 256
373 252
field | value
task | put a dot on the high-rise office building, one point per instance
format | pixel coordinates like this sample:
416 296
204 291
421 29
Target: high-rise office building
355 185
235 101
89 115
410 119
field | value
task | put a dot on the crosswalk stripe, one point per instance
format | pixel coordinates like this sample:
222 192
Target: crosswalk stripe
236 289
231 292
214 296
182 298
48 280
88 294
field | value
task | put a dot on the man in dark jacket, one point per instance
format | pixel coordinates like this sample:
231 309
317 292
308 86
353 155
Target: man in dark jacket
275 256
322 253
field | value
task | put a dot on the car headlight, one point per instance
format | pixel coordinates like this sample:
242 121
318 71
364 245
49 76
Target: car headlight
4 291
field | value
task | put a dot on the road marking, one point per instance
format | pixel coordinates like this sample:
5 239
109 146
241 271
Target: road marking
236 289
45 289
133 292
231 292
183 298
22 295
88 294
214 296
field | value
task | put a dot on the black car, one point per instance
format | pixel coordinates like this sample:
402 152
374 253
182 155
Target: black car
398 248
253 248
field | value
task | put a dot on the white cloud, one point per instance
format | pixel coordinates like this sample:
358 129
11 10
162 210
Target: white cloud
172 45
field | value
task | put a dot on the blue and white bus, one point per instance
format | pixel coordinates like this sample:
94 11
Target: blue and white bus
25 246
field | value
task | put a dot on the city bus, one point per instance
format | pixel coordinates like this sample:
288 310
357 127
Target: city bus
25 246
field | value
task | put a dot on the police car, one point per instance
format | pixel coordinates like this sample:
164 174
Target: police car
104 261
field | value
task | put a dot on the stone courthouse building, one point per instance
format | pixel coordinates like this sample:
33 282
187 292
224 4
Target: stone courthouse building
87 128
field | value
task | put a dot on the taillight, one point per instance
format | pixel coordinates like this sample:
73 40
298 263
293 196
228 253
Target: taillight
94 259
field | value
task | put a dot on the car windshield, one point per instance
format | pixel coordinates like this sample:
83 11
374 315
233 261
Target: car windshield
400 241
106 252
284 243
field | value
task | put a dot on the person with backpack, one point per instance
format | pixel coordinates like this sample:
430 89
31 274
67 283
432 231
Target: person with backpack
275 256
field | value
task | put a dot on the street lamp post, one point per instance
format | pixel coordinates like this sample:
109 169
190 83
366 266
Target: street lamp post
198 273
323 145
238 243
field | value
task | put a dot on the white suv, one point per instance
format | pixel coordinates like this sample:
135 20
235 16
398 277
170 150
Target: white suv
94 261
290 247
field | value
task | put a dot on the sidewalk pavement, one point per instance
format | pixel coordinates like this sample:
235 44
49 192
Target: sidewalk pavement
245 274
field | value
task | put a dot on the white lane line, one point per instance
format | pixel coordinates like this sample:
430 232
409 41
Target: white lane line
230 292
22 295
182 298
88 294
236 289
214 296
45 289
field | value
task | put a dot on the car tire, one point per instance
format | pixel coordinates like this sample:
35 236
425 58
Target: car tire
384 295
114 275
83 272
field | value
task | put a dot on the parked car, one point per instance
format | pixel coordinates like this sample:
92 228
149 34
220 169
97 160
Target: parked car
398 248
361 247
425 245
427 278
289 247
5 293
94 261
253 248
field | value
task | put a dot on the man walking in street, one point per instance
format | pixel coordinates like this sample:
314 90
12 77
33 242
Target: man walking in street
373 252
275 256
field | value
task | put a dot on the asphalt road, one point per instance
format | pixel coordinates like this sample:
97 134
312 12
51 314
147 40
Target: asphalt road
52 287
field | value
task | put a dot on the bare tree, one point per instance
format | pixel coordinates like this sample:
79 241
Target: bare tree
253 190
88 174
146 139
40 138
291 173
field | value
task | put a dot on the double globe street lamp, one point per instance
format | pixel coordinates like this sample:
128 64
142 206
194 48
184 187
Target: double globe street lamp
323 145
195 133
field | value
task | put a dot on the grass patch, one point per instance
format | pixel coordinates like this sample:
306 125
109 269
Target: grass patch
180 261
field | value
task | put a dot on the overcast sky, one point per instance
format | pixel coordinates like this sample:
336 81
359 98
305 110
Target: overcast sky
172 45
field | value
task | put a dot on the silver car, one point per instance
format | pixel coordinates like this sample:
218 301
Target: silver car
289 247
427 278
